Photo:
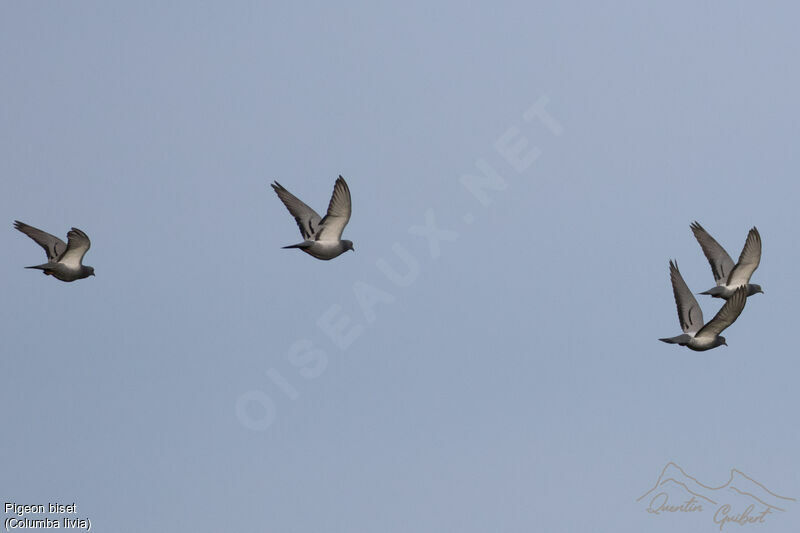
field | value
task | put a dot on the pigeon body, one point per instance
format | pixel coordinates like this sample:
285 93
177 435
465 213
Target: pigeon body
696 335
730 276
322 236
64 260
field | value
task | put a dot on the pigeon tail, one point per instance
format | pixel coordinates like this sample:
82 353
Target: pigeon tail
45 266
302 245
716 292
680 339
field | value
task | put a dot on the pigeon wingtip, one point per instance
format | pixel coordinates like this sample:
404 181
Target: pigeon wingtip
697 228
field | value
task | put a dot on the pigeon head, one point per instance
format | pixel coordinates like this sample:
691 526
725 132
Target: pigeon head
753 288
720 341
89 271
348 245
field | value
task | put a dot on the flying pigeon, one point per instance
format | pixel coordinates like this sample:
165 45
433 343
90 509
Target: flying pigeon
63 260
322 237
697 336
728 276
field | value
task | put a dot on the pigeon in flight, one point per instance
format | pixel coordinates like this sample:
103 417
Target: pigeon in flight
697 336
63 260
322 236
728 276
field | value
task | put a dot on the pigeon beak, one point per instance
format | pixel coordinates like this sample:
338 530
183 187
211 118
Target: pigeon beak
92 273
725 343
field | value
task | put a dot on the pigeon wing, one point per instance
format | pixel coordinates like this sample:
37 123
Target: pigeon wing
721 263
307 219
77 245
748 260
689 313
53 246
338 214
726 316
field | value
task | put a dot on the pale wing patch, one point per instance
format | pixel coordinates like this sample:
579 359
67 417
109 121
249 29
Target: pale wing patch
748 260
338 215
77 245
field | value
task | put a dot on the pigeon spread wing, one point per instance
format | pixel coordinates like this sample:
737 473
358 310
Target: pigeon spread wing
77 246
53 246
338 214
689 313
307 219
721 263
726 316
748 261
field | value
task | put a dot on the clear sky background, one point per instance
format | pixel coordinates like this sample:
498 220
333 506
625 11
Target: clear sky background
514 382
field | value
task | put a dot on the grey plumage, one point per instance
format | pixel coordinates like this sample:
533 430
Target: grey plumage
64 260
727 275
698 336
321 236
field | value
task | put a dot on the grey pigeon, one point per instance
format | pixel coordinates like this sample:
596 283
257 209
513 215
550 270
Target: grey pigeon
63 260
322 236
696 335
728 276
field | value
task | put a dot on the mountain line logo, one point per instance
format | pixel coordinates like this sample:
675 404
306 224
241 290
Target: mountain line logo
741 500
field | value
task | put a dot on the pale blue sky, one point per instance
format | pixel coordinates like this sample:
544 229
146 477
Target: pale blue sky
514 383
